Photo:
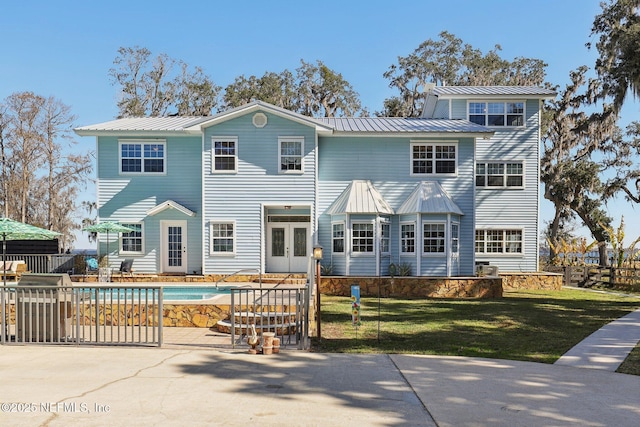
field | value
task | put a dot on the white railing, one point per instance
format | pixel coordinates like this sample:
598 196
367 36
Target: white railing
95 315
282 310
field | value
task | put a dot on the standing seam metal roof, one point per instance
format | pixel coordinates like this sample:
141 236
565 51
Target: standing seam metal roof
402 125
360 197
493 91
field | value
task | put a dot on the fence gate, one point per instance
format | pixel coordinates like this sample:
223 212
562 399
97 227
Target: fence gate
283 311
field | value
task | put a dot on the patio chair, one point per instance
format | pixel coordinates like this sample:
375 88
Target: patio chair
90 266
126 267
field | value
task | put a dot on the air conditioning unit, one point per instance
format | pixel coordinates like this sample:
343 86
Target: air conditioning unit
487 270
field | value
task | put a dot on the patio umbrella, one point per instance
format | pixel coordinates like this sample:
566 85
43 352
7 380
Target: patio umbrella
108 227
16 230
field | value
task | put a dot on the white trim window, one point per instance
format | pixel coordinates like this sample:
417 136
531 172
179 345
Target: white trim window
384 238
362 238
142 156
429 158
507 241
132 242
499 114
337 237
455 237
223 237
290 154
434 236
224 155
500 175
407 238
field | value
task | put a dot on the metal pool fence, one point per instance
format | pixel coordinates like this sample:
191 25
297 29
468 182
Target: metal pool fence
282 310
77 315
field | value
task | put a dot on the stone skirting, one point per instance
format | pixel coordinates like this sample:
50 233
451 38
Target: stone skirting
531 281
414 287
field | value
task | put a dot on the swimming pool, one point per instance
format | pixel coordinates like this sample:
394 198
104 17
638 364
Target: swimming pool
193 293
169 293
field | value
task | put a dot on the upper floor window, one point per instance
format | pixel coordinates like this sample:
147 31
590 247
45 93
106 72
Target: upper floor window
497 113
508 241
433 158
290 156
142 156
500 175
225 154
131 242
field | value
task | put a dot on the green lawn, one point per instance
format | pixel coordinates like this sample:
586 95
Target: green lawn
537 326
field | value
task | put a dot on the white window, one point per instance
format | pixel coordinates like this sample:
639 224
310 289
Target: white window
223 236
500 175
505 114
384 238
508 241
455 237
433 158
142 156
338 237
362 238
131 242
225 154
408 238
290 156
433 238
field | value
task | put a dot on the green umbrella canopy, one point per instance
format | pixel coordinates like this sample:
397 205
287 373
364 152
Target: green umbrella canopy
16 230
108 227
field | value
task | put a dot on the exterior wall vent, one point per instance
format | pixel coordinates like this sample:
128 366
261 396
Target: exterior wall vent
259 120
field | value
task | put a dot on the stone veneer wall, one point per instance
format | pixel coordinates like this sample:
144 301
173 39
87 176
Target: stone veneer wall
414 287
531 281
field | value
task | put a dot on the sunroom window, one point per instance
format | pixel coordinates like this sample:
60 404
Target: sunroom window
433 238
362 238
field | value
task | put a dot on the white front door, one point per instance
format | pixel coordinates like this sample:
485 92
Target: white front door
287 247
174 246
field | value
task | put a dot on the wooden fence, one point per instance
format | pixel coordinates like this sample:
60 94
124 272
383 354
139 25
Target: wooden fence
613 277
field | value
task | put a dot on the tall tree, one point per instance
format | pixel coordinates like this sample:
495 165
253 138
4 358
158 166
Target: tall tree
40 179
154 87
449 61
618 45
314 90
579 148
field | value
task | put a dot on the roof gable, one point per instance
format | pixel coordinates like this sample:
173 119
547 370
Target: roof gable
256 106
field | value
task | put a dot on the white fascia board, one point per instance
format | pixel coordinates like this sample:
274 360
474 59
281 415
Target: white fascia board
417 134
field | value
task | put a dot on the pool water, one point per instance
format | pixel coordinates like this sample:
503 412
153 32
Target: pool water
170 293
193 293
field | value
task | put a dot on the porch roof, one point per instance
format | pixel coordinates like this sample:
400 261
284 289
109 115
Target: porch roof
429 197
360 197
170 204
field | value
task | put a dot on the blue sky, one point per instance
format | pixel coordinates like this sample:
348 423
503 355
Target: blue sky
65 48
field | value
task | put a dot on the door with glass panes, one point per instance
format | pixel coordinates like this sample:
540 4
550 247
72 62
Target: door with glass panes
287 247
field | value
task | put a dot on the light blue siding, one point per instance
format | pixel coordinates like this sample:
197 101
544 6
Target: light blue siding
442 109
514 208
127 198
387 163
242 196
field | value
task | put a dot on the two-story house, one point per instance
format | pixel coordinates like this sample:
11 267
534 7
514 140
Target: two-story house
258 186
